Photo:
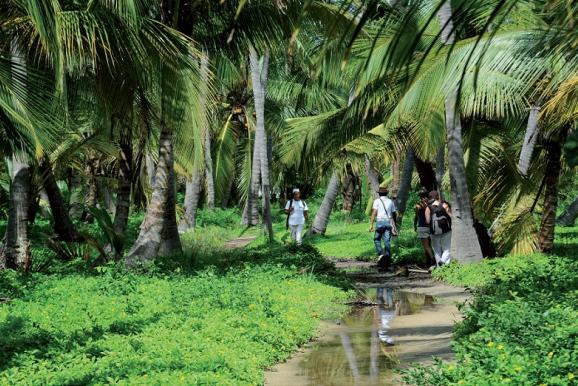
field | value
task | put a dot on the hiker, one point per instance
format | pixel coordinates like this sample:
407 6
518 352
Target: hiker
421 227
438 216
297 213
383 210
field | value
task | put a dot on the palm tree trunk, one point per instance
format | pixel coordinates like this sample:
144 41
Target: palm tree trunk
568 217
322 216
192 195
529 141
259 79
75 189
465 245
405 185
440 169
157 229
548 223
63 226
372 178
124 179
92 193
396 176
17 248
209 178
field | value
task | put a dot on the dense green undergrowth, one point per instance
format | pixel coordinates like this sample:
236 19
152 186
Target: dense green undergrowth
211 317
522 328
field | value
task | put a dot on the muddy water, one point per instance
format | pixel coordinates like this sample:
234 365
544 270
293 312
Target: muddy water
362 348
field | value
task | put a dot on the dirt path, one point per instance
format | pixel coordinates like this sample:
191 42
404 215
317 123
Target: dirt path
239 242
421 328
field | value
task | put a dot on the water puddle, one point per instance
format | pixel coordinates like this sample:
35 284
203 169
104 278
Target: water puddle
360 350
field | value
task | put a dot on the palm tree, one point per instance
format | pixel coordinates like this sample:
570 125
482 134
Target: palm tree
465 244
259 74
322 216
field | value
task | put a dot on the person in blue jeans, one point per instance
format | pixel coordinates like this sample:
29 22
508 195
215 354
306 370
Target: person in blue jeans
383 221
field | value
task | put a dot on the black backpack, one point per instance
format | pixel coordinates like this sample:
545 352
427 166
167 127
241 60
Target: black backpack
440 222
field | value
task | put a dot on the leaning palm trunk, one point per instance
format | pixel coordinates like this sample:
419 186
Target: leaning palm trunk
529 141
124 184
192 195
372 178
17 249
568 217
548 223
63 226
322 217
405 185
158 231
465 245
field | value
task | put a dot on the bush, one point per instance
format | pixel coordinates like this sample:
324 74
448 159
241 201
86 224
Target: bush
122 328
522 328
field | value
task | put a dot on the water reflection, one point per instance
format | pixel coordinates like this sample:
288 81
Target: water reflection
362 351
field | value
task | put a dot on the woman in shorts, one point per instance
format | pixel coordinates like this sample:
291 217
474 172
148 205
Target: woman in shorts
421 228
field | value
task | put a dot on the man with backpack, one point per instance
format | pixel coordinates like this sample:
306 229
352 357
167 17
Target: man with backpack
438 216
297 213
383 210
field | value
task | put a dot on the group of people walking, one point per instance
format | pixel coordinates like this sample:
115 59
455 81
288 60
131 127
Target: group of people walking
432 224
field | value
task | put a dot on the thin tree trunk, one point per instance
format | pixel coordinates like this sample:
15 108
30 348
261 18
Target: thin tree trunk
465 245
548 223
405 185
209 177
349 189
17 248
63 226
372 178
259 79
322 216
568 217
192 195
156 229
124 179
529 141
396 176
440 169
75 189
92 193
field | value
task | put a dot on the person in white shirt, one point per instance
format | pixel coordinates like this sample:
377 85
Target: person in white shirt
297 212
384 213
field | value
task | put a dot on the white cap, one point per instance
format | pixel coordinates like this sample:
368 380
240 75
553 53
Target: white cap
296 190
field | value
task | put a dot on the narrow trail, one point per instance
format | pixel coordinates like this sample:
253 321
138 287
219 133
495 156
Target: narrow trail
239 242
415 311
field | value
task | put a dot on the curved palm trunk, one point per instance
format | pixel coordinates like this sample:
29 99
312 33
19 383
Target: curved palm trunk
17 248
548 223
192 195
405 185
529 141
568 217
158 231
322 216
465 245
372 178
63 226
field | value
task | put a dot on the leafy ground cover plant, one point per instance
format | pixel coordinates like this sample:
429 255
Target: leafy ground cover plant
522 328
117 327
